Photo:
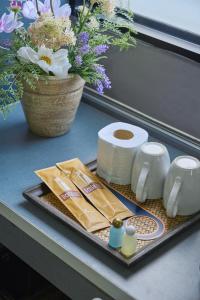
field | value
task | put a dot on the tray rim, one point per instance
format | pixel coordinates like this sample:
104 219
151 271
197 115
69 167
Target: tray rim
28 195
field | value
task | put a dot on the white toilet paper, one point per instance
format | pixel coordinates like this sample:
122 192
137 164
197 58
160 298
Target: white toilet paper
118 144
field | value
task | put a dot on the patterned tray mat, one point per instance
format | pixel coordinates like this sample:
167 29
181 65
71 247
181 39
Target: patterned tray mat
145 225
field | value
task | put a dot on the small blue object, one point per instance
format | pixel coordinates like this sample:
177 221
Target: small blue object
116 234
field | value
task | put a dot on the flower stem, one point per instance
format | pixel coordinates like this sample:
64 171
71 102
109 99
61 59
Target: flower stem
37 7
86 17
51 4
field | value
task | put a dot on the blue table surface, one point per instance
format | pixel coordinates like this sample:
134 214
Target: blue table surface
170 273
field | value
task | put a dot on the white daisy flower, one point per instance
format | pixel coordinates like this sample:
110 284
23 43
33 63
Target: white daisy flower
49 61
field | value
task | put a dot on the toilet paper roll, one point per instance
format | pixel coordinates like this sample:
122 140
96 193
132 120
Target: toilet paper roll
118 144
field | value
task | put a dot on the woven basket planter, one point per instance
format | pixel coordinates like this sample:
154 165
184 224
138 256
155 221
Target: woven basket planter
51 107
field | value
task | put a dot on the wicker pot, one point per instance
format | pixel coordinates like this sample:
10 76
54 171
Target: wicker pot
51 107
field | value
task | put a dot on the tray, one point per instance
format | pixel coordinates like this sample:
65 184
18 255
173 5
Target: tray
153 227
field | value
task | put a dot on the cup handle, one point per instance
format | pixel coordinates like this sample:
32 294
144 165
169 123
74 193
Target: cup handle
172 202
140 194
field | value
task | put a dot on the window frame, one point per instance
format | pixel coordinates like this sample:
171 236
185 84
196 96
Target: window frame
167 37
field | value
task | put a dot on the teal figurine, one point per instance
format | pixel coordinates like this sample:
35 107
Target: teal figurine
116 234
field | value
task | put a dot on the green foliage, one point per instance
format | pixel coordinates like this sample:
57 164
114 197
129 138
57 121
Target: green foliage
124 42
14 73
11 90
100 39
128 15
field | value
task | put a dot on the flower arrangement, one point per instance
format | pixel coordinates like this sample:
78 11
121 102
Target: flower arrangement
56 44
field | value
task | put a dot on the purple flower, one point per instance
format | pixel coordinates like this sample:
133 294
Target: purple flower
105 81
63 11
5 43
83 38
60 11
84 49
100 69
29 10
99 87
98 50
9 23
78 60
16 6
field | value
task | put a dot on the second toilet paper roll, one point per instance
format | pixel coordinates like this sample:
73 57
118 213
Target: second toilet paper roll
118 144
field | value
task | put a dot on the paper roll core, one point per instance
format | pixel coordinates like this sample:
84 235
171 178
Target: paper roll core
122 134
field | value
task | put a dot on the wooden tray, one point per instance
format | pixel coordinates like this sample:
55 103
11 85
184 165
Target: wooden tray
154 228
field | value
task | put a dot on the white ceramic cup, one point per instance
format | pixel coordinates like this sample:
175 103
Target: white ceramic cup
149 171
182 187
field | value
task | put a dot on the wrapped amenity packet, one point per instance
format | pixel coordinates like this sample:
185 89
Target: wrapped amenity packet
93 189
70 196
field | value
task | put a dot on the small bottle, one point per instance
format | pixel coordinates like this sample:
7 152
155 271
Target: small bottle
116 234
129 242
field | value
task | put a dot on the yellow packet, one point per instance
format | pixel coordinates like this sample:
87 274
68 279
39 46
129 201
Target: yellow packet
97 193
71 197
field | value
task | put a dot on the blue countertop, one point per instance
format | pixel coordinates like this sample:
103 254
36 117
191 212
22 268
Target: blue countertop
170 273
